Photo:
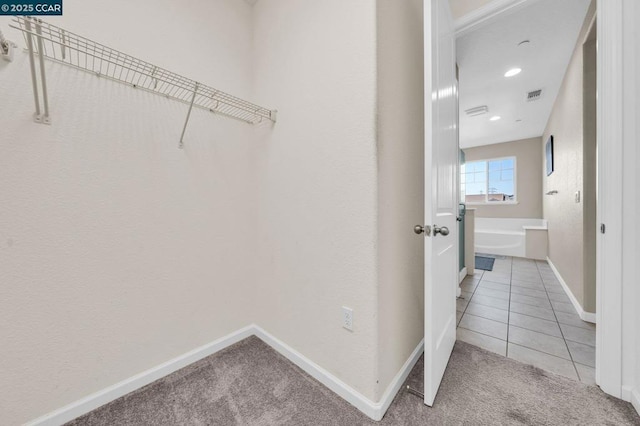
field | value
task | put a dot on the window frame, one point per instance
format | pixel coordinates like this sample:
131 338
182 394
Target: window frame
486 171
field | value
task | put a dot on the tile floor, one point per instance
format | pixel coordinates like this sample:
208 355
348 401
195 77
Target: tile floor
521 311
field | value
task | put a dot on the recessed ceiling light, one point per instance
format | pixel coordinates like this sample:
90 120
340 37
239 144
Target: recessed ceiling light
512 72
495 118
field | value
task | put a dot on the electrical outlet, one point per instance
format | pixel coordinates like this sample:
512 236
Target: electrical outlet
577 196
347 318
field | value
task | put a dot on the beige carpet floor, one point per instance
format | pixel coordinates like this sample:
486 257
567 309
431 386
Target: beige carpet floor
251 384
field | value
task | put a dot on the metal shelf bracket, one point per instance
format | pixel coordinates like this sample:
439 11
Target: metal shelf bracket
184 129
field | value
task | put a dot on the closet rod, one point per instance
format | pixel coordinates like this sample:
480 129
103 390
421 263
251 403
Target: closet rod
63 46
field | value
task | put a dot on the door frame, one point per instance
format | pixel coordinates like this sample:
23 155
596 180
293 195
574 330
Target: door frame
615 103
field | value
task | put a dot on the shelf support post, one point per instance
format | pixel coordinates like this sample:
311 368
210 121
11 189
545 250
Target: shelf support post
184 129
34 81
43 77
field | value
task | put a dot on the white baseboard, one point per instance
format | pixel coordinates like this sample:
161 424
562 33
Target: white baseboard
584 316
635 399
339 387
399 379
372 409
588 316
463 275
111 393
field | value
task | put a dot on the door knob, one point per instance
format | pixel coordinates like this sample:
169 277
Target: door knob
444 231
419 229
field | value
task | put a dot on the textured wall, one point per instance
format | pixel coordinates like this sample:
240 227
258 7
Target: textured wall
566 217
528 176
317 220
400 184
119 251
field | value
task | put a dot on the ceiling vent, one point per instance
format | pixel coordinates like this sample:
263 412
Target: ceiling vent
472 112
534 95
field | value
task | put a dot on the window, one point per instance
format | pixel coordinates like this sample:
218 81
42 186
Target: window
489 181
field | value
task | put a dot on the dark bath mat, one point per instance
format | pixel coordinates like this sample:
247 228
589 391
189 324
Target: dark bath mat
484 263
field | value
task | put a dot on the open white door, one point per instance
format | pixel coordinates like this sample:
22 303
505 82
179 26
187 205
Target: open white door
441 202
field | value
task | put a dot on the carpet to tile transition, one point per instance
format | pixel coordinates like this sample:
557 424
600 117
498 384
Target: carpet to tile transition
251 384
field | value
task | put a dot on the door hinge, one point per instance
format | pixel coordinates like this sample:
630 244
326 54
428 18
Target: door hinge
602 228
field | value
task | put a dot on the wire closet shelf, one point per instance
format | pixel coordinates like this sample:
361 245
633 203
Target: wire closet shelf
62 46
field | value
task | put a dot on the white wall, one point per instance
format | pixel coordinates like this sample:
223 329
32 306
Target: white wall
400 184
317 217
589 193
566 217
122 252
341 182
119 251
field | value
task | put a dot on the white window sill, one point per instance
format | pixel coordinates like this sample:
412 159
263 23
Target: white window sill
535 228
494 203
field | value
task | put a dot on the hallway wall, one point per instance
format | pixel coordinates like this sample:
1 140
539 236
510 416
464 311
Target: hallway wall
590 167
564 215
118 250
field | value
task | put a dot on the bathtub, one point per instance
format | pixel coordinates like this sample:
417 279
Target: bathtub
506 237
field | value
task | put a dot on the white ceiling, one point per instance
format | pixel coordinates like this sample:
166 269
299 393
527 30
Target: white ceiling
484 55
460 8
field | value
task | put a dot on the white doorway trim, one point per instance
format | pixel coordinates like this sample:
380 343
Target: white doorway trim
613 105
610 110
463 275
631 190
